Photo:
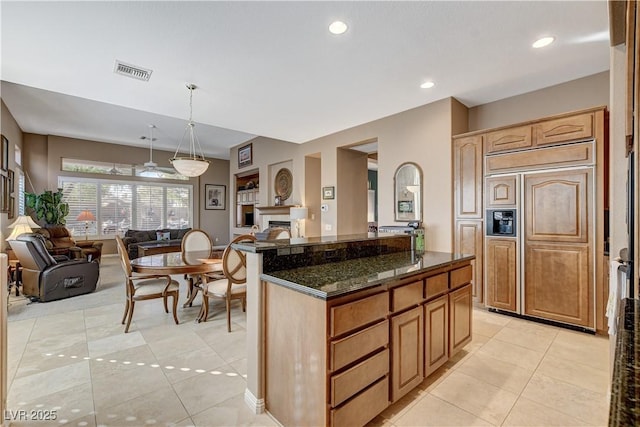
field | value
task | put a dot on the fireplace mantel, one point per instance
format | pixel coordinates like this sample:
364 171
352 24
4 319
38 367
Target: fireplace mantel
274 210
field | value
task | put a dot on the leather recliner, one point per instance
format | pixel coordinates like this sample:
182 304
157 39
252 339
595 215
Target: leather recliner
45 278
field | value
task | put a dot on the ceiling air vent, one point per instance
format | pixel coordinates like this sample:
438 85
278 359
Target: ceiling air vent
132 71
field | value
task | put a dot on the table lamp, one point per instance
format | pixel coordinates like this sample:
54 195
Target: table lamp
298 213
23 224
86 216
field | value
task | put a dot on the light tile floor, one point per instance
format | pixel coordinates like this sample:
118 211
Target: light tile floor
72 357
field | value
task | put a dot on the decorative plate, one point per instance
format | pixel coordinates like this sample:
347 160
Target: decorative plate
284 183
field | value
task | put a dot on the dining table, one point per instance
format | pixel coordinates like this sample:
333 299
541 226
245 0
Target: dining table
196 263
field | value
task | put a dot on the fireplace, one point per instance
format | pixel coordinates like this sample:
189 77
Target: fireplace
280 224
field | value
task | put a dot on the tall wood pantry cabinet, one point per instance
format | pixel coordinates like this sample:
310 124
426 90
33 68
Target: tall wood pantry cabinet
552 171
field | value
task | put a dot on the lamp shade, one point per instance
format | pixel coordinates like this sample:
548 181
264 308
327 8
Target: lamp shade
189 166
86 216
23 224
298 212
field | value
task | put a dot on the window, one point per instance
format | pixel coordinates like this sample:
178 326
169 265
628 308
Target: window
120 205
121 169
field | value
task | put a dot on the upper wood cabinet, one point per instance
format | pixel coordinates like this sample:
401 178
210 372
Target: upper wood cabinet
467 176
545 132
509 139
564 130
501 191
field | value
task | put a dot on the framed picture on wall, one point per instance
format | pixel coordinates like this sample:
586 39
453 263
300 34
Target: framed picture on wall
4 191
215 196
12 207
245 155
328 193
4 154
12 186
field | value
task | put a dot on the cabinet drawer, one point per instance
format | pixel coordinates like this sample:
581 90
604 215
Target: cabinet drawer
509 139
437 285
364 407
564 130
350 316
406 296
461 276
353 347
351 381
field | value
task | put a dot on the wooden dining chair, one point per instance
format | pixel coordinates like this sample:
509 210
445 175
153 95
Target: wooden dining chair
195 240
233 286
145 287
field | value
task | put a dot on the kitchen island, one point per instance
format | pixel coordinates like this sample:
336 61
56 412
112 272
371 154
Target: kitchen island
339 328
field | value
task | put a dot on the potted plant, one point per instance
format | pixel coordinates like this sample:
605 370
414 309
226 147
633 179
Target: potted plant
48 206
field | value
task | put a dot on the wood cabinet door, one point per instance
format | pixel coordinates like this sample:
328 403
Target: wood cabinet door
436 332
558 282
509 139
501 269
467 176
501 191
565 129
469 238
558 246
407 340
460 311
558 205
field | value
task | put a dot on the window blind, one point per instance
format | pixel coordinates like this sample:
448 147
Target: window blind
120 205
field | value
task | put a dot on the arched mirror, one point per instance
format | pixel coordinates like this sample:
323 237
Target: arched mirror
408 192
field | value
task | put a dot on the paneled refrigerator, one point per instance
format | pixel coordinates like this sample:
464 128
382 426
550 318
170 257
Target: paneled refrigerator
539 244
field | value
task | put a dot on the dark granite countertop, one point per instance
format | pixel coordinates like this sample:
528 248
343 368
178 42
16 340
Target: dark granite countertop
334 279
261 246
625 384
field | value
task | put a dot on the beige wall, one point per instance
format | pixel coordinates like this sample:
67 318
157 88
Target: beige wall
313 168
421 135
268 154
587 92
10 129
352 197
617 148
49 150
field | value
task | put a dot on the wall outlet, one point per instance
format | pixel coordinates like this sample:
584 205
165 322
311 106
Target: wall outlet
217 239
324 207
328 227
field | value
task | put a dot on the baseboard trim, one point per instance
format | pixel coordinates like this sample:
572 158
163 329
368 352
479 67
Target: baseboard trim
256 405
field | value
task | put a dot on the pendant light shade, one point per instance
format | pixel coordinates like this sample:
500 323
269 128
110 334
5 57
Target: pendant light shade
194 164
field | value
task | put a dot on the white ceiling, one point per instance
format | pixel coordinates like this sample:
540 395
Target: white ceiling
272 68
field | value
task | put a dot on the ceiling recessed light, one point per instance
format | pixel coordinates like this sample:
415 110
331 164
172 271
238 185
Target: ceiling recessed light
542 42
338 27
427 85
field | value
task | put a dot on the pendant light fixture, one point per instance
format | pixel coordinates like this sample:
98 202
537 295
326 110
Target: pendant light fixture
194 165
150 167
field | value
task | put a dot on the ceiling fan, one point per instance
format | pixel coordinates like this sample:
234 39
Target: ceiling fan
150 167
114 170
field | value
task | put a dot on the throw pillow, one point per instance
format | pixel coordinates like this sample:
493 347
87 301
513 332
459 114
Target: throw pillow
163 235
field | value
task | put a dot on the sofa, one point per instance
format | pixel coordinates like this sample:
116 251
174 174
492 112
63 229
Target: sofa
134 238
